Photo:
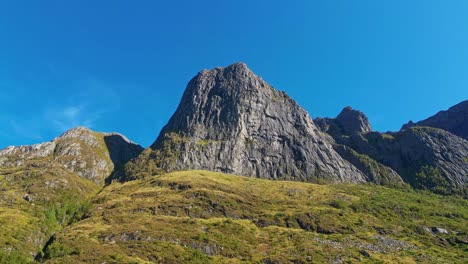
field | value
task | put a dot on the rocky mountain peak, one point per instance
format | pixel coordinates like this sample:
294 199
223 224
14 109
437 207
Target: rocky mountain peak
353 121
348 122
231 120
214 100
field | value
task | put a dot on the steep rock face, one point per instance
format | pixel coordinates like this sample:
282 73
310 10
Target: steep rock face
89 154
230 120
454 120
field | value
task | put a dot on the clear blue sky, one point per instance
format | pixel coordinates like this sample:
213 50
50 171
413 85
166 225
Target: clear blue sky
122 66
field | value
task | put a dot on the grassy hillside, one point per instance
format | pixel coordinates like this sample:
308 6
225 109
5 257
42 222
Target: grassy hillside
37 199
202 217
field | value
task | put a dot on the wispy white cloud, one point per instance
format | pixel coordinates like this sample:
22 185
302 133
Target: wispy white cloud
65 117
24 130
94 99
87 103
72 111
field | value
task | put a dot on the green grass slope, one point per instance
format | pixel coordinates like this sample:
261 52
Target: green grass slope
37 199
206 217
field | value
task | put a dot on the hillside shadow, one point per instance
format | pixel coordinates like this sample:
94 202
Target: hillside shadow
120 152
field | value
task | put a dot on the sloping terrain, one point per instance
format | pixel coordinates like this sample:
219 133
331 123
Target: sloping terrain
36 199
207 217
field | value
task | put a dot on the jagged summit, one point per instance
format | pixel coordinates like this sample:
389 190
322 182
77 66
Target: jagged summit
353 121
236 66
454 120
231 120
348 122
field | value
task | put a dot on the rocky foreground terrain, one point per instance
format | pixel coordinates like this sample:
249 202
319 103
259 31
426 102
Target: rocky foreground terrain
341 192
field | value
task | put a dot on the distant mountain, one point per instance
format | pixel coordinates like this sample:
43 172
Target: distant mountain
453 120
232 121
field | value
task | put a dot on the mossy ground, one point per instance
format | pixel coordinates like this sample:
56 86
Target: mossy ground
202 217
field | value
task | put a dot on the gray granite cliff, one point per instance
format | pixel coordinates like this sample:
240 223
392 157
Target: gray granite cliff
230 120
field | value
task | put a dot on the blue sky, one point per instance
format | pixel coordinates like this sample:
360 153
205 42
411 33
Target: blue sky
123 65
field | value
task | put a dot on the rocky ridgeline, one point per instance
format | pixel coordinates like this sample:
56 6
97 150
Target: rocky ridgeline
90 154
423 156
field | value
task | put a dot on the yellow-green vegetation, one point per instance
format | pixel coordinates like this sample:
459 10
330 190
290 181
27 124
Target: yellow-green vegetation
205 142
37 199
387 136
203 217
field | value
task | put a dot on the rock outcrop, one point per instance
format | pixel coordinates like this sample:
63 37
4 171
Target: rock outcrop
230 120
348 122
89 154
453 120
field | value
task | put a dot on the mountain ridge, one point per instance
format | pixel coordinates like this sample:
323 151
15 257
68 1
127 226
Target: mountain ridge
230 120
60 201
424 157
